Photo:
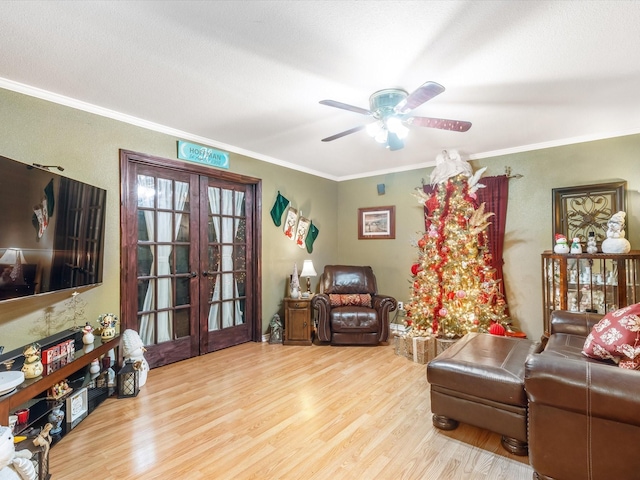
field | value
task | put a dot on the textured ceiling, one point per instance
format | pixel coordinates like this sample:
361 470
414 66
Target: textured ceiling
247 76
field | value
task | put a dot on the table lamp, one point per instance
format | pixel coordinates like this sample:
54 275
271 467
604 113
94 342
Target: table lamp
308 271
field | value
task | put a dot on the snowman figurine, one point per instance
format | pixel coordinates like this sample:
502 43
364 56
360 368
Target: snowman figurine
561 244
87 334
133 349
592 247
576 247
615 241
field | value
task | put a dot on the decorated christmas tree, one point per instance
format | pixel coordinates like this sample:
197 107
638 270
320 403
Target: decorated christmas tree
454 290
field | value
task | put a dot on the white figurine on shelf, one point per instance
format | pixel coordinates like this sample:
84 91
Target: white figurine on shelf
87 334
94 368
573 276
561 244
576 247
572 298
574 304
592 247
586 300
615 241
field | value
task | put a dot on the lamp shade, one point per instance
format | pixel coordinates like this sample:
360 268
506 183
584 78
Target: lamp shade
14 256
308 270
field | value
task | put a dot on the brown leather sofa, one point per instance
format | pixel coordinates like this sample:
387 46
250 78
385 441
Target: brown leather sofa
344 315
584 414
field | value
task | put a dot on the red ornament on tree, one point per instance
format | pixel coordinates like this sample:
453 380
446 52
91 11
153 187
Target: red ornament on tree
415 268
497 329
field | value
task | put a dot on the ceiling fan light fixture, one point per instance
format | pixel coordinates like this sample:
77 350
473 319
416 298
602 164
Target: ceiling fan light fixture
374 128
381 136
395 125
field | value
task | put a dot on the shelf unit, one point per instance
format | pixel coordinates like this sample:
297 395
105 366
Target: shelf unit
596 283
28 392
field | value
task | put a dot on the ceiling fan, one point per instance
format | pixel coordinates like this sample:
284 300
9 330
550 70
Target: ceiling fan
391 109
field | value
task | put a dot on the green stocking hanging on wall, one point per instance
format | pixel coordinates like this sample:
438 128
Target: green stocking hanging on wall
311 237
278 208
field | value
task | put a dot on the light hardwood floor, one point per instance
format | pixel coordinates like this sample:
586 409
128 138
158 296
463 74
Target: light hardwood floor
260 411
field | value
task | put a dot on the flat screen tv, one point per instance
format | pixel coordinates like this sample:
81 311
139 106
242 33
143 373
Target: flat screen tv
51 231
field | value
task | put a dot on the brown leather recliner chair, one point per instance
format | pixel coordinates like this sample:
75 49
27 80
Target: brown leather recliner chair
584 414
350 310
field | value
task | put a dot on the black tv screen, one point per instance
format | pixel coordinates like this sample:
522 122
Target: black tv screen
51 231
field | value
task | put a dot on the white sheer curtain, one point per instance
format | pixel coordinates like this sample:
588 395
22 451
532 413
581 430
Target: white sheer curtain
165 234
223 202
214 204
146 196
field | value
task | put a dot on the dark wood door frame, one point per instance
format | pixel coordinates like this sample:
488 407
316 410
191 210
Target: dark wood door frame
128 217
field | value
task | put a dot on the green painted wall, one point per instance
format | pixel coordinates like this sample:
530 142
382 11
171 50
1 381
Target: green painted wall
87 146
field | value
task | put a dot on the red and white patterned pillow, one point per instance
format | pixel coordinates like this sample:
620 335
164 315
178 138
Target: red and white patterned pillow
616 337
352 299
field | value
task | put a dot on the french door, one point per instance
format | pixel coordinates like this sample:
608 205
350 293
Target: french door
190 243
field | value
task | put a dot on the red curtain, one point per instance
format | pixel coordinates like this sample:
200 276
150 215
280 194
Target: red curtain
495 196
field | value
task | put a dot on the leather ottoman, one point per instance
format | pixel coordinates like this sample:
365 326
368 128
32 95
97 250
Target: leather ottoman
480 381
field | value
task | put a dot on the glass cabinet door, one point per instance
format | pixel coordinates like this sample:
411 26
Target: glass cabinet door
597 283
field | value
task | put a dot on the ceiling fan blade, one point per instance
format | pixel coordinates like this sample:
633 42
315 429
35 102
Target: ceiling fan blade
345 133
345 106
423 93
441 123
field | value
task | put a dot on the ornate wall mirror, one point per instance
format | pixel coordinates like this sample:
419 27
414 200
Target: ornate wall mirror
587 208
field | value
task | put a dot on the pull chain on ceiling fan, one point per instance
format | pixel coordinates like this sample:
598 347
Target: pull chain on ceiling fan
390 109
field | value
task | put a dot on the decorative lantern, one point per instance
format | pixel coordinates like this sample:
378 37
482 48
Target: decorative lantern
128 384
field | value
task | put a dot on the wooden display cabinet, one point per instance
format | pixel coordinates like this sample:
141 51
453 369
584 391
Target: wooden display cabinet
297 321
597 283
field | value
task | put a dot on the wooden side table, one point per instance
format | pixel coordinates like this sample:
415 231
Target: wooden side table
297 321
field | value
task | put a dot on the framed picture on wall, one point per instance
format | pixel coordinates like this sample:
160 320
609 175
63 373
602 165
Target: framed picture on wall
580 210
377 223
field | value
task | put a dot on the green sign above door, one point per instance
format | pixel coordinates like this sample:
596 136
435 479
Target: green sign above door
200 154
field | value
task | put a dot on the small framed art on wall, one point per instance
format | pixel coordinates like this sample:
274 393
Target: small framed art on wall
377 223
